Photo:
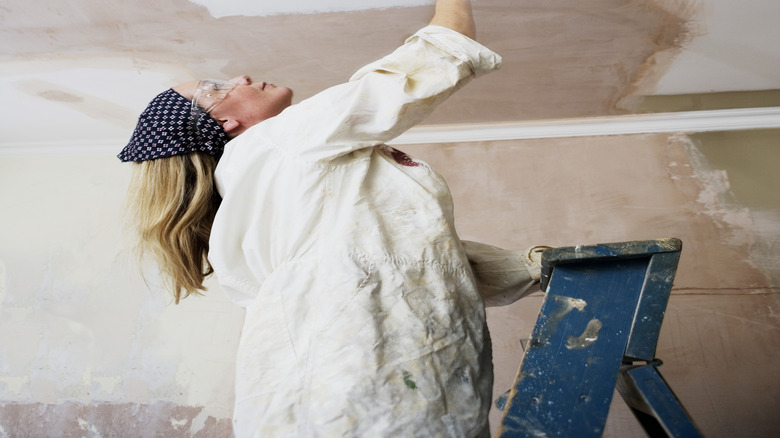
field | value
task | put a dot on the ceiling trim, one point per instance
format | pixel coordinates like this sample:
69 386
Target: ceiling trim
678 122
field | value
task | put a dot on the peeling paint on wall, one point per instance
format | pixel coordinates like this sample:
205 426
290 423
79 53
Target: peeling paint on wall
714 193
72 419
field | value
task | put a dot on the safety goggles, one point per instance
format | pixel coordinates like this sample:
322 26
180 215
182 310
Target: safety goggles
208 95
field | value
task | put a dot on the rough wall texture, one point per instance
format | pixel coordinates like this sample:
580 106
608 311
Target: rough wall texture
87 346
88 350
69 419
721 335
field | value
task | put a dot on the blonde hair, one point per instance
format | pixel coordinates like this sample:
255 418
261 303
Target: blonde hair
172 204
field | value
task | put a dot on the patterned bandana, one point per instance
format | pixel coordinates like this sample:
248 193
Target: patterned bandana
165 129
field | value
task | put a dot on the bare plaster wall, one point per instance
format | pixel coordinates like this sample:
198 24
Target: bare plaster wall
748 162
721 334
89 349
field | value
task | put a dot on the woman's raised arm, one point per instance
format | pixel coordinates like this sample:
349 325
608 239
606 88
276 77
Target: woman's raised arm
456 15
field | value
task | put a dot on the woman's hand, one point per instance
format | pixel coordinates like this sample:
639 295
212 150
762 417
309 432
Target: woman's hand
456 15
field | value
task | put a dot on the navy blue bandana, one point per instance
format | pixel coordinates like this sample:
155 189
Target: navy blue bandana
165 129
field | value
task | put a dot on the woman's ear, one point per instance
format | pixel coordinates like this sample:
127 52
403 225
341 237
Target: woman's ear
230 125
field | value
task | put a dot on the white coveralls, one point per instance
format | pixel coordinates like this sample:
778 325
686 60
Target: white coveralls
362 315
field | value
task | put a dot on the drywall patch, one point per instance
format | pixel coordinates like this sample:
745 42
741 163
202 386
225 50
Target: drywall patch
262 8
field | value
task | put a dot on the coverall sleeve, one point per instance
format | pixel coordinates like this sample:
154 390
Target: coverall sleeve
384 98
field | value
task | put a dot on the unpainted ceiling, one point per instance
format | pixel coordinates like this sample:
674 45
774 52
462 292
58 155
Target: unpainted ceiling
82 70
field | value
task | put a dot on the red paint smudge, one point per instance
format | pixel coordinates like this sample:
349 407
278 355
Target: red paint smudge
403 159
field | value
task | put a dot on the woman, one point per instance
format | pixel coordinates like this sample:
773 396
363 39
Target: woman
363 316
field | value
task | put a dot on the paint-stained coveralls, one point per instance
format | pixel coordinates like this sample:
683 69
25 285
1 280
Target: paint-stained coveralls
362 315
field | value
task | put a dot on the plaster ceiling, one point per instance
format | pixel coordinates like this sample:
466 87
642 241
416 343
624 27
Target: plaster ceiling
80 71
262 8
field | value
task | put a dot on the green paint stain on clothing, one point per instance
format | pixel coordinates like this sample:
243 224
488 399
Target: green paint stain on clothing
408 380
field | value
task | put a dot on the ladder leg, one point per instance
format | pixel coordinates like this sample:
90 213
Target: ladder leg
653 402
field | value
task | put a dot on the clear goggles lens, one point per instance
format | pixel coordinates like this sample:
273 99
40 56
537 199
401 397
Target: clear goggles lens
208 95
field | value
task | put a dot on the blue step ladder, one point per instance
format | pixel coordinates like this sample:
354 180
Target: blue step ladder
597 330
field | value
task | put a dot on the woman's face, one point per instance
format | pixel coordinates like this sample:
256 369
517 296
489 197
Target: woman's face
246 105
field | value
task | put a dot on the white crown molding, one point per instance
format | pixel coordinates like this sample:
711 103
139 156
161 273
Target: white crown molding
679 122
